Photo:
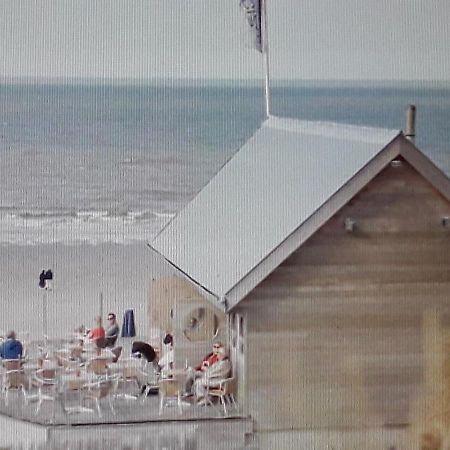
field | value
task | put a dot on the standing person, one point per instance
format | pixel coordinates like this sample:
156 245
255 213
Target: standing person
113 330
98 332
11 348
166 361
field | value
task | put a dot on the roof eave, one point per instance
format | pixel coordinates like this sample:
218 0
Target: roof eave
399 145
216 300
435 176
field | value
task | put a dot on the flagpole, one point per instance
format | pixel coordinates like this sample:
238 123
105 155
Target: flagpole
101 304
44 316
265 51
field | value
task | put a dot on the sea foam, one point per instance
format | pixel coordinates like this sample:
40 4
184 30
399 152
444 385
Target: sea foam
74 227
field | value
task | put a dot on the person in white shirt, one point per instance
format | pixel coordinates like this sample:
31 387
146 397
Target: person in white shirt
166 361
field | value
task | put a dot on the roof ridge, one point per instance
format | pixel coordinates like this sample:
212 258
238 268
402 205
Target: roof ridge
333 130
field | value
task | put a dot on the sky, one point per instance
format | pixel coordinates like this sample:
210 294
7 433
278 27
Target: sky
191 39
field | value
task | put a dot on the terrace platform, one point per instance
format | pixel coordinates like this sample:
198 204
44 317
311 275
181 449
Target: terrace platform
125 411
135 425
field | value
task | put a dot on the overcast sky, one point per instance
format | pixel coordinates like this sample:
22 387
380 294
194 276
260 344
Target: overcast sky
309 39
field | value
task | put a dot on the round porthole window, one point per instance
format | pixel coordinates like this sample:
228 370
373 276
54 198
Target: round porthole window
201 324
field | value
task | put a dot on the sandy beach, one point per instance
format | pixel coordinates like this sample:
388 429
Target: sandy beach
122 273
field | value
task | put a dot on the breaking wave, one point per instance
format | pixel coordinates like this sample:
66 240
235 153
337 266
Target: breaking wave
32 227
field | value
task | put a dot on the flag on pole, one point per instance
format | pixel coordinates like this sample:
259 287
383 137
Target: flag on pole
252 11
44 279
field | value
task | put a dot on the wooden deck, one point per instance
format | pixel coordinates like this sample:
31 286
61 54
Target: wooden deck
135 425
126 410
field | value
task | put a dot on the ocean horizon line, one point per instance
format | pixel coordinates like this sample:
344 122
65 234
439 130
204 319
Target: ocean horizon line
227 82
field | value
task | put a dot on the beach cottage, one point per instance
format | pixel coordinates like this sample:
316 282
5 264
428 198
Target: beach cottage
327 247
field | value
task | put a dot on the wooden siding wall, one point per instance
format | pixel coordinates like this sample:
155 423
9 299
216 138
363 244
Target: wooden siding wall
335 335
172 301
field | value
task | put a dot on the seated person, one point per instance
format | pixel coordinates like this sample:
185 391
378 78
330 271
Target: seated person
98 332
210 358
165 364
215 367
113 330
11 348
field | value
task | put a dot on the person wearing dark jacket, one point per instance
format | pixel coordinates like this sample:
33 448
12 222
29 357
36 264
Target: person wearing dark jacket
11 348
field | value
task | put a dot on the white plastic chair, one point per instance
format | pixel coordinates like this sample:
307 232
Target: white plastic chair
47 381
98 366
224 390
12 364
169 394
64 360
12 380
101 389
129 371
72 384
149 377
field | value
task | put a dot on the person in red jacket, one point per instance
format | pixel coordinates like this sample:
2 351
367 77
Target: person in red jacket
211 358
208 366
212 375
98 332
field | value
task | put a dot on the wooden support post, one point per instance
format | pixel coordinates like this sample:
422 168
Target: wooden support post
411 123
44 315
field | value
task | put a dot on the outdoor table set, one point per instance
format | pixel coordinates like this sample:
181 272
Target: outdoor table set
80 377
54 375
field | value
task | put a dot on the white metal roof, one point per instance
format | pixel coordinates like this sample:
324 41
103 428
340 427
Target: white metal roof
275 182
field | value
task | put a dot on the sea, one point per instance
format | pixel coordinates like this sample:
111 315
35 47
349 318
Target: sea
95 161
